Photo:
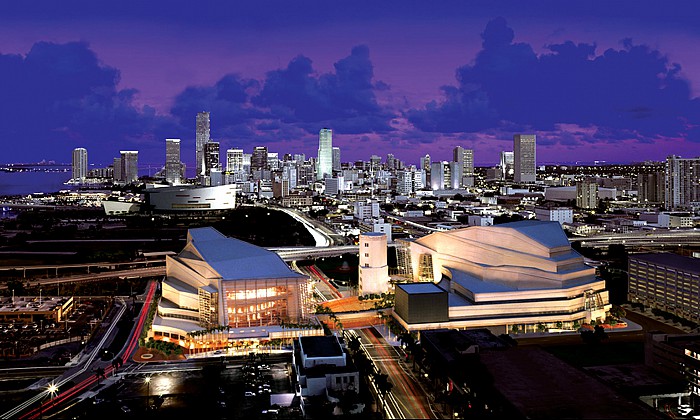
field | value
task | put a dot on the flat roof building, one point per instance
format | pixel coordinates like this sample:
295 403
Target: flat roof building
666 281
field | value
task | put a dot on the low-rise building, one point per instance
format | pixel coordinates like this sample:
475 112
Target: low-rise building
322 365
666 281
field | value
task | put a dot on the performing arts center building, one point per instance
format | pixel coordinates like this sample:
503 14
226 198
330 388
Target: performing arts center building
514 277
222 292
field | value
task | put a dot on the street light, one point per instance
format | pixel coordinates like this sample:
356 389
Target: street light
148 398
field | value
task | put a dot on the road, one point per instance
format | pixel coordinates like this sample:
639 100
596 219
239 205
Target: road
407 400
83 376
136 272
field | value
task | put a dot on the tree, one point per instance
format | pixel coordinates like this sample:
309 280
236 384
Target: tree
100 374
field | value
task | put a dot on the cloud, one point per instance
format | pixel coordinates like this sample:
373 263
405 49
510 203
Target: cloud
632 91
344 99
59 96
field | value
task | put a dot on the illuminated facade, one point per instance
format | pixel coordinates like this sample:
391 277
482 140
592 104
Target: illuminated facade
227 284
515 276
524 158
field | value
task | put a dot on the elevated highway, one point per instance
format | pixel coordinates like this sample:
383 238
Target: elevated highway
647 239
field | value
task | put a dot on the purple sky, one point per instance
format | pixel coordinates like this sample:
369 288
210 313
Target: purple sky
599 80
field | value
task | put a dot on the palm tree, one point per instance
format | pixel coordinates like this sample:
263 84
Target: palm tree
100 374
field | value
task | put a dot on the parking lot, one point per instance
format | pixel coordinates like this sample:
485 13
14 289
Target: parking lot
231 389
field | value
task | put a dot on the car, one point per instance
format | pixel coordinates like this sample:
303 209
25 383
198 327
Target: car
222 404
126 410
249 394
221 391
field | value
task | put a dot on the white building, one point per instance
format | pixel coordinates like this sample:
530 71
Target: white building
325 154
80 164
202 138
373 270
366 209
524 158
555 214
190 198
173 165
234 160
586 194
476 220
219 281
513 276
682 188
322 365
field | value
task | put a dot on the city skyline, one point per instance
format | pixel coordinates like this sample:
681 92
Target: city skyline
592 81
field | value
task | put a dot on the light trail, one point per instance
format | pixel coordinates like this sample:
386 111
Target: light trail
71 392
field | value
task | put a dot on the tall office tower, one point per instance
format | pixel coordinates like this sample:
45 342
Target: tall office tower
299 157
425 169
336 159
375 162
524 158
587 194
408 181
212 156
465 158
650 187
202 139
373 270
305 174
234 160
117 170
258 161
273 161
682 183
390 161
325 154
129 166
173 166
425 162
80 164
506 165
441 176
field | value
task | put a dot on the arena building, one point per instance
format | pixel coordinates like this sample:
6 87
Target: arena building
514 277
220 290
191 198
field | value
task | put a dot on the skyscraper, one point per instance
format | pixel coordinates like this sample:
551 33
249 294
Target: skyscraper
465 165
202 139
506 165
211 157
524 158
259 159
129 166
234 160
587 194
651 187
336 158
80 164
173 166
325 154
682 184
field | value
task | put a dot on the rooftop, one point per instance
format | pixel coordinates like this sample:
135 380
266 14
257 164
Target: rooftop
325 346
668 259
234 259
539 385
427 287
549 234
31 303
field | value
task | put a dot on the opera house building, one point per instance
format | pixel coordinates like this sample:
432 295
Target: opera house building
220 292
515 277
